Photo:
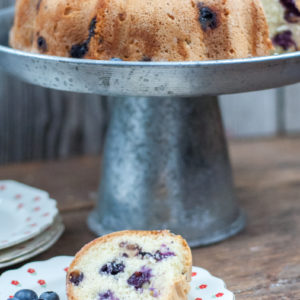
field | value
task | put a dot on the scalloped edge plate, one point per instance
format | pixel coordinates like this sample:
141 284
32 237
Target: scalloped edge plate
33 247
49 275
25 212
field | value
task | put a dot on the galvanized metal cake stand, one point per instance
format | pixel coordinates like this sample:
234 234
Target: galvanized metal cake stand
165 162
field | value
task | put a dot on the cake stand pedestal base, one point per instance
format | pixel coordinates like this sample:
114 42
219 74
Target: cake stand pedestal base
166 165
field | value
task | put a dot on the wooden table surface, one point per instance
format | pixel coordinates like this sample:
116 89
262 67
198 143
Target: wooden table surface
262 262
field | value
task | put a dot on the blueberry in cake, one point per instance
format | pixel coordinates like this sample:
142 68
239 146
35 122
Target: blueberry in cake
168 30
283 17
131 265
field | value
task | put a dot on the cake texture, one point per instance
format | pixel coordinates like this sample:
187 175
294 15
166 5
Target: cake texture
150 30
283 17
131 265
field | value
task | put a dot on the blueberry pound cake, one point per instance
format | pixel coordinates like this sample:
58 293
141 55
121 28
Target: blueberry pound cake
283 17
131 265
148 30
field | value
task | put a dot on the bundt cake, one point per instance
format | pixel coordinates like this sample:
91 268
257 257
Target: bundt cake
283 17
150 30
131 265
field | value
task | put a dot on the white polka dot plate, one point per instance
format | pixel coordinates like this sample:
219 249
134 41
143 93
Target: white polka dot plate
25 212
21 252
50 275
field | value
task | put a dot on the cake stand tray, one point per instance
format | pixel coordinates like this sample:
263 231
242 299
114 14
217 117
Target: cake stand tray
147 79
165 162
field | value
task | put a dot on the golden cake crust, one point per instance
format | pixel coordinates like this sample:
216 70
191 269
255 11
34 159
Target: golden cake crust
181 287
156 30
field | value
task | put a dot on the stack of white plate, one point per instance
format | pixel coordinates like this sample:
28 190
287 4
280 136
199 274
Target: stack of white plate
29 222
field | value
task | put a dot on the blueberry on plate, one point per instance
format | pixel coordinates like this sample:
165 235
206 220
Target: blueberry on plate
49 296
26 295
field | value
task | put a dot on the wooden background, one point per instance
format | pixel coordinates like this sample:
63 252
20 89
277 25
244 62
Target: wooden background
37 123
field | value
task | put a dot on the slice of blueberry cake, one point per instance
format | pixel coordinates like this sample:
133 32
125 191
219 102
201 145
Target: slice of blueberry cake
283 17
131 265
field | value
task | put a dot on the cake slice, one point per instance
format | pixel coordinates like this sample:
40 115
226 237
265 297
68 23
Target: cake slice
131 265
283 17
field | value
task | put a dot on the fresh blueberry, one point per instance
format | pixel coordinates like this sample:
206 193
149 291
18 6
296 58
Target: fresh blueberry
49 296
26 295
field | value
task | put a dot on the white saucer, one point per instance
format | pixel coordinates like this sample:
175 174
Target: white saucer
33 247
50 275
25 212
